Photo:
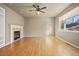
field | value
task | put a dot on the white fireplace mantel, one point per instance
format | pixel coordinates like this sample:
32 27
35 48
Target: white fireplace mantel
16 28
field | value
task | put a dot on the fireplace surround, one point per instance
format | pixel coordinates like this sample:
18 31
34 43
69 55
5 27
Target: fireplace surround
16 32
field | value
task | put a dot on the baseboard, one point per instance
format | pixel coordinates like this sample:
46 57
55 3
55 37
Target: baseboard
7 44
10 43
67 42
1 46
35 36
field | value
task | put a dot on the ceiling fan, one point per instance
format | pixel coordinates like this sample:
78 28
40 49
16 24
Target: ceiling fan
38 9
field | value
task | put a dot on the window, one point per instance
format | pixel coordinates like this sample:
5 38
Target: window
70 24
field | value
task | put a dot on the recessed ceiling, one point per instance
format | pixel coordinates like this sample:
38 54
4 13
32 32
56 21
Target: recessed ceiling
52 10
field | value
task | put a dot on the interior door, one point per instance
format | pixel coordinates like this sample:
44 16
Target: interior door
2 27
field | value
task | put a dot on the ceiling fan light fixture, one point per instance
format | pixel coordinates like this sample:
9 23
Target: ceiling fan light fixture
37 12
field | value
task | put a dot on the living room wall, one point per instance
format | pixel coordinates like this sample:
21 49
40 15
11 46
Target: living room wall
11 17
37 26
71 37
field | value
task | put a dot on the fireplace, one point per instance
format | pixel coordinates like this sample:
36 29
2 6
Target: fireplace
16 32
16 35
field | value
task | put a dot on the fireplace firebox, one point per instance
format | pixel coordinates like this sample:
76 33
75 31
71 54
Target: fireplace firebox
16 35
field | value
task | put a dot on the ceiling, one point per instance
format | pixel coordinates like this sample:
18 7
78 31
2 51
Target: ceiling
52 10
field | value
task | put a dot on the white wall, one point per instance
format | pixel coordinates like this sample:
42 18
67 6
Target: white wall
71 37
11 17
36 27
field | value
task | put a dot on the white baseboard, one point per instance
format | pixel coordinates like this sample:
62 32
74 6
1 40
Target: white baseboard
2 46
67 42
10 43
7 44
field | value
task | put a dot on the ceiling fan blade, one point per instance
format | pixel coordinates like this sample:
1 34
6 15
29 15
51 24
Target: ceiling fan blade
42 11
32 10
38 6
34 6
43 8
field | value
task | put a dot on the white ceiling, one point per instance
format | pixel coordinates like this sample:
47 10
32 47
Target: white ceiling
52 10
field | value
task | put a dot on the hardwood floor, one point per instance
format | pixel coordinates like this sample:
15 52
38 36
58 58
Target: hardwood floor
36 46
